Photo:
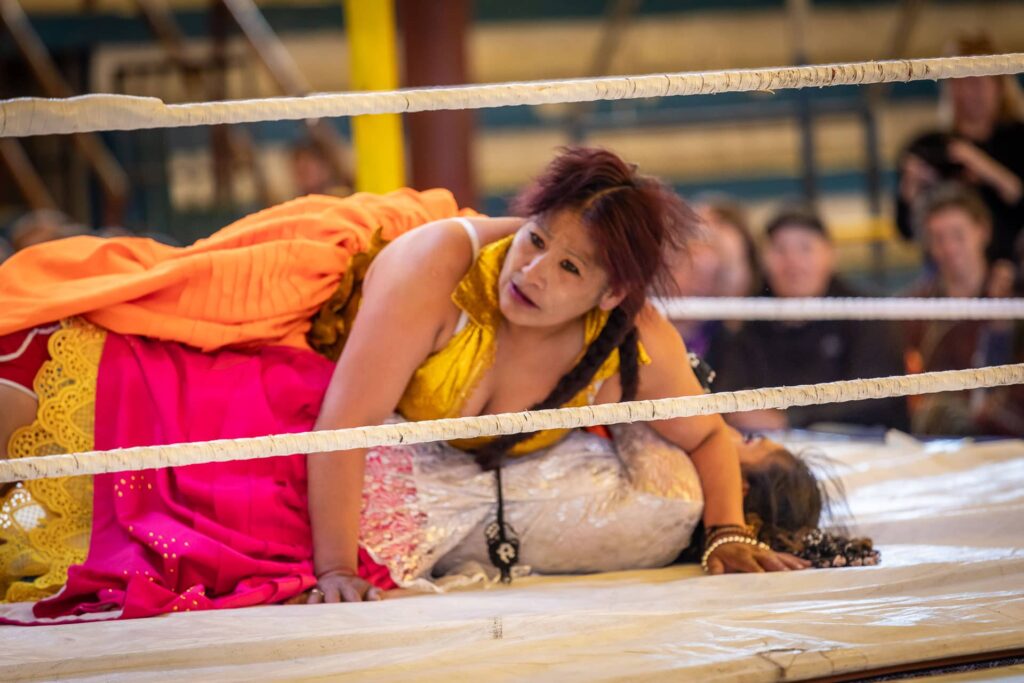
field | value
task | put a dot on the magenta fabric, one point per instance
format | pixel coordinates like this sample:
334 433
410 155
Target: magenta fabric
211 536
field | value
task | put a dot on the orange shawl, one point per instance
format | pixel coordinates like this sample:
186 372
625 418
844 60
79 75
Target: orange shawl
257 281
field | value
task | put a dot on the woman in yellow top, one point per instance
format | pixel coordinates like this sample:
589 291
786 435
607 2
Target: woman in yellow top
455 318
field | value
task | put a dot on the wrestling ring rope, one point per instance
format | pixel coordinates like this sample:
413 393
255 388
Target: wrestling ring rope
147 457
104 112
839 308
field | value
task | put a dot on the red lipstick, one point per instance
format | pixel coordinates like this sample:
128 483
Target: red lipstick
519 297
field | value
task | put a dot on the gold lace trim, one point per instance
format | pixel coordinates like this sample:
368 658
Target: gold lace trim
45 523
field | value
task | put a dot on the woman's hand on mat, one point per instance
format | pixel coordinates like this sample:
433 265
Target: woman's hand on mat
730 558
342 586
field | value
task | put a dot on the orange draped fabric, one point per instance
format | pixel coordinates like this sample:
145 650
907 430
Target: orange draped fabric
257 281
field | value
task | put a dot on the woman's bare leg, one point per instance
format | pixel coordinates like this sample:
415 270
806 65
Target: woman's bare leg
17 409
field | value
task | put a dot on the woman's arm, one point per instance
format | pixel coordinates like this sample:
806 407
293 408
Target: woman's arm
709 442
705 438
406 306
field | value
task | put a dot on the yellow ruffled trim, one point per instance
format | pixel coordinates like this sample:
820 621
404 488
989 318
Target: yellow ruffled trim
45 523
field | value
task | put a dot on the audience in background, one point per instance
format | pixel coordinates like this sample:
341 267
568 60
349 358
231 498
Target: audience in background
1001 411
738 274
42 225
115 231
723 262
956 228
982 146
313 172
121 231
799 260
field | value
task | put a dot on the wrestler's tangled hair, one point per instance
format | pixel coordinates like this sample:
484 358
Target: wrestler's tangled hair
635 221
786 503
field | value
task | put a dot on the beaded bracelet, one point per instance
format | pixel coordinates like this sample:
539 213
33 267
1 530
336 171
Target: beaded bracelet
723 540
714 532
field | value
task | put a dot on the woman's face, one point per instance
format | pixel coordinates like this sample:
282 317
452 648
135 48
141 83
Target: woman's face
956 243
798 262
755 450
736 277
696 270
975 100
552 274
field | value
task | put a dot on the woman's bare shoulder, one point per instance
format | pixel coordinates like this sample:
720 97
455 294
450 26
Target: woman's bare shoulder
659 336
422 267
442 250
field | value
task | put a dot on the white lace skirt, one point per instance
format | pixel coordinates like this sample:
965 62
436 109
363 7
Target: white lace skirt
584 505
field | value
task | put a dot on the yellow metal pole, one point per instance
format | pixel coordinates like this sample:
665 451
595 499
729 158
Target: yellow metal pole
380 152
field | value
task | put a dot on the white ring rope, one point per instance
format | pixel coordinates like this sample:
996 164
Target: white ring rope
771 308
146 457
101 112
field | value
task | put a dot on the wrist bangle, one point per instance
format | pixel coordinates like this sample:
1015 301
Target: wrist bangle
723 540
730 530
712 532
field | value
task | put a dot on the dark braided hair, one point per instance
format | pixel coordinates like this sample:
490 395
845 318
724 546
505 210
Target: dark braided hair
784 495
629 364
618 331
787 505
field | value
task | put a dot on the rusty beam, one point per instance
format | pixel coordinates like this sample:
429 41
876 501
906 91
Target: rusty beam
112 177
440 142
239 143
288 78
25 176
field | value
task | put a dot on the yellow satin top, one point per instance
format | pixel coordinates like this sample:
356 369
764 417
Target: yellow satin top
444 382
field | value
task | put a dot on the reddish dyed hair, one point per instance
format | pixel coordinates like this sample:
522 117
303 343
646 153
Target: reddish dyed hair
634 220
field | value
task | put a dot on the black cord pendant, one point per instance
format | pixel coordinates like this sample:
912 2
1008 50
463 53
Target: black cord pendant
502 548
502 539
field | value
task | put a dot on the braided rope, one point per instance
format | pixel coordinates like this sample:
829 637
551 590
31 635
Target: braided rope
38 116
146 457
771 308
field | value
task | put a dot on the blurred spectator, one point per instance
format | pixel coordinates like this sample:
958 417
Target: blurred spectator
162 238
738 273
1001 409
799 261
313 172
42 225
695 271
114 231
120 231
956 227
721 262
5 249
982 146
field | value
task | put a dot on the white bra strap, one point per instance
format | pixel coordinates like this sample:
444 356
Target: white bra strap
473 237
475 241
